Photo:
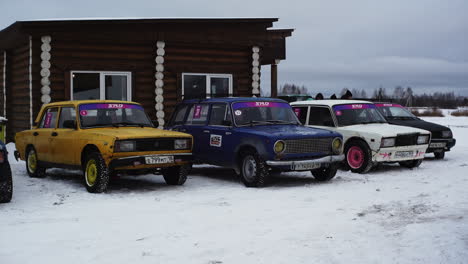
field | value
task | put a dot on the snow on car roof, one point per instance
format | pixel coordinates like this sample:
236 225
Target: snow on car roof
330 102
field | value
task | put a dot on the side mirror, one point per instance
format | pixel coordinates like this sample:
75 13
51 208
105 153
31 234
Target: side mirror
155 123
69 124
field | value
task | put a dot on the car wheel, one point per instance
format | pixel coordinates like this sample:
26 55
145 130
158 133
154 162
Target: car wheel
32 164
253 169
6 184
439 155
325 174
411 163
358 156
176 175
96 173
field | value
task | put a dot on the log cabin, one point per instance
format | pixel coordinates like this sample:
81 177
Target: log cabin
153 61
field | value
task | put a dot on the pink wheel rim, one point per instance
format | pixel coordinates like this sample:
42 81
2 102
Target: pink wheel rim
355 157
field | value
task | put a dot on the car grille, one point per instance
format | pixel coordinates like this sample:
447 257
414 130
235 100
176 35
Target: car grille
406 140
155 144
313 145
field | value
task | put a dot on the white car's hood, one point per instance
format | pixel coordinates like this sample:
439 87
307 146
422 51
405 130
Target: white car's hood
385 130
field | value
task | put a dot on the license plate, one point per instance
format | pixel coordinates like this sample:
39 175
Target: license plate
403 154
438 145
306 166
159 159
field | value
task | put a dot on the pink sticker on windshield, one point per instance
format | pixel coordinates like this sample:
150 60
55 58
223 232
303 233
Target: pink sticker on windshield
48 120
83 112
197 112
338 113
297 111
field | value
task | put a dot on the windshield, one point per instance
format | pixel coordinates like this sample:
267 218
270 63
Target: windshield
114 114
355 114
395 111
263 113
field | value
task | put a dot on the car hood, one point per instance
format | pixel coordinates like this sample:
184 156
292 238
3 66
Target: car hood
385 130
287 131
133 132
418 123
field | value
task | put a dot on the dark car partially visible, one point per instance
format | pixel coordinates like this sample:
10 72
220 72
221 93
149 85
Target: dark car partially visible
442 138
6 182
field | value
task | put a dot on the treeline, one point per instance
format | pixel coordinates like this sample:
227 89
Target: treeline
399 94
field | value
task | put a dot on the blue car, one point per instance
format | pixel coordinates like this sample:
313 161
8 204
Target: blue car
256 135
6 182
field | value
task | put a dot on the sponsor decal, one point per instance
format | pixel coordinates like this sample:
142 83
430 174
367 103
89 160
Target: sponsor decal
236 106
238 112
385 155
297 111
48 120
353 106
197 112
388 105
109 106
216 140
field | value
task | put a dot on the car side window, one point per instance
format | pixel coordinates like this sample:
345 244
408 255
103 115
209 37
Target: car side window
198 114
178 118
220 115
67 113
301 113
320 116
49 119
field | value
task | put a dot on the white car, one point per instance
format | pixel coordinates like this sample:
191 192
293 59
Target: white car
368 138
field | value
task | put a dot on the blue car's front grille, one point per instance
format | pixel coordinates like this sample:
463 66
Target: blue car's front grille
312 145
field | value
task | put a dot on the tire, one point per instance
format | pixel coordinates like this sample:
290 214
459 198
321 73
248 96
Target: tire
176 175
325 174
96 173
411 163
253 170
32 165
439 155
358 156
6 183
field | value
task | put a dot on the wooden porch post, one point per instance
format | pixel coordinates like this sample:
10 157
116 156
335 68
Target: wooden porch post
274 80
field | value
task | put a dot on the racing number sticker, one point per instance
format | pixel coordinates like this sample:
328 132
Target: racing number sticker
338 112
83 112
216 140
238 112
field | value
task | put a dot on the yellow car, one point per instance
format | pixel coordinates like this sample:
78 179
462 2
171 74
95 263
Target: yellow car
102 137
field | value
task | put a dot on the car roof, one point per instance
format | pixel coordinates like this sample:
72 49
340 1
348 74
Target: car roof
330 102
233 99
78 102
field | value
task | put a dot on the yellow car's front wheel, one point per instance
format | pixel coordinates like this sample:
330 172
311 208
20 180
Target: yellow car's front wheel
96 173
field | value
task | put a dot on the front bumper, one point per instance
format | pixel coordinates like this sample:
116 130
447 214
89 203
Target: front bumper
139 162
440 145
402 153
308 164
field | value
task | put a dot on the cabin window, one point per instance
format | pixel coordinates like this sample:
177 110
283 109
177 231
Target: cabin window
86 85
320 116
206 85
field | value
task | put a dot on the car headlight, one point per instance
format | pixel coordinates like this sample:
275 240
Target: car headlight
125 146
279 146
182 143
447 134
337 144
423 139
387 142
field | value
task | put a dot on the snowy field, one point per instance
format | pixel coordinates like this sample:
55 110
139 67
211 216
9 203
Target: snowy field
391 215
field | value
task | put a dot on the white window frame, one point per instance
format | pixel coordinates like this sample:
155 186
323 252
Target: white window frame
102 82
208 81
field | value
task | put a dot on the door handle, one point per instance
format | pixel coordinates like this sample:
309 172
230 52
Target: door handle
54 134
35 134
228 133
206 131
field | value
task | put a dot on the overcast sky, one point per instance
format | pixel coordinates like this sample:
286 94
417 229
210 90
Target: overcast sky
336 44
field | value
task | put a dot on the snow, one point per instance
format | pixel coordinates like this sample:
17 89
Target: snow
3 119
391 215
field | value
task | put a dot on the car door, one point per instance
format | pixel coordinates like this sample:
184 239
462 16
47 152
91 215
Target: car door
220 145
64 147
43 134
195 125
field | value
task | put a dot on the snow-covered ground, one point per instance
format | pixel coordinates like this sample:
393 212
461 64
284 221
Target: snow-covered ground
391 215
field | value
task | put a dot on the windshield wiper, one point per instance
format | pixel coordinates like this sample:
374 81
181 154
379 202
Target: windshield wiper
119 124
282 122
